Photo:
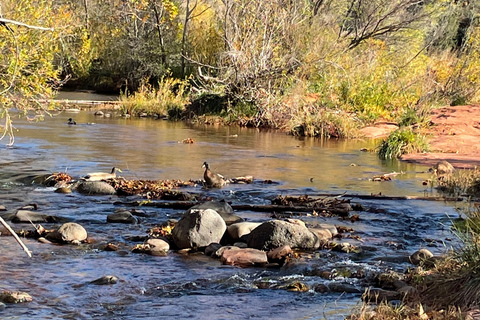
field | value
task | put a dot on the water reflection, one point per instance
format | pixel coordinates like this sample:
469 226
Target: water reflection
151 149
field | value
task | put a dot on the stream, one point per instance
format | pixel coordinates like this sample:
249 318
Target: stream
182 286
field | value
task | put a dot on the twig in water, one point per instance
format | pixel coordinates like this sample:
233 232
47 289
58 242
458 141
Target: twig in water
16 237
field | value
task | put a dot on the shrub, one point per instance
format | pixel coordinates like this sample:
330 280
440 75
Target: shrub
402 141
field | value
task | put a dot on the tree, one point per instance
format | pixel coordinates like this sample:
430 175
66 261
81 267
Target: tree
29 41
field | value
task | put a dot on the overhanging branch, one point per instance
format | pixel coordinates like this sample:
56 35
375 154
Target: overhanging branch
5 21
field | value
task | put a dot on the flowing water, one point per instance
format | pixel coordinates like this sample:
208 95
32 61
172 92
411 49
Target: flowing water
194 286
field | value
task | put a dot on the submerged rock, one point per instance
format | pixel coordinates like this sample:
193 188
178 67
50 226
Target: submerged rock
198 228
105 280
122 216
276 233
68 232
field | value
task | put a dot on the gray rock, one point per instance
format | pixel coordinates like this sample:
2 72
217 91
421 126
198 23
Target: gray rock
95 188
198 228
2 306
212 248
240 229
331 227
276 233
68 232
122 216
322 234
27 216
158 247
222 208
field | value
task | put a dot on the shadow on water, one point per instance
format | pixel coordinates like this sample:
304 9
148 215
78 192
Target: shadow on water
195 286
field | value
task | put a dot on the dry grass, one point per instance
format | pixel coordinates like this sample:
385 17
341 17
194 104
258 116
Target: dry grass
462 182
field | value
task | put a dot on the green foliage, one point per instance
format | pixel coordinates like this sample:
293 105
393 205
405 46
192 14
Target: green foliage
402 141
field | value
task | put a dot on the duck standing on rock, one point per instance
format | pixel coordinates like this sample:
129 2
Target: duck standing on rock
98 176
212 180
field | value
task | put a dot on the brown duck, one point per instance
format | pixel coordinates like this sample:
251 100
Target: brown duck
212 180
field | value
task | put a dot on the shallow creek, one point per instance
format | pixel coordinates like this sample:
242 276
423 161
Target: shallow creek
194 286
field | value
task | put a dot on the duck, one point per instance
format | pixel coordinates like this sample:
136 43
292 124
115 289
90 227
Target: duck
212 180
98 176
71 121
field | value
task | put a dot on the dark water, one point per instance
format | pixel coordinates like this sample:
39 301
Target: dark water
193 286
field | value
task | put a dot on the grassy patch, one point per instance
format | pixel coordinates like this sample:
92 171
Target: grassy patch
167 98
402 141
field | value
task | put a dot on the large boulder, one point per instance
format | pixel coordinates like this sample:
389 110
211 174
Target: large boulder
222 208
276 233
198 228
95 188
68 232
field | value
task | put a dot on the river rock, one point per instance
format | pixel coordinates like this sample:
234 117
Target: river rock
158 247
279 255
420 256
122 216
63 190
95 188
212 248
27 216
276 233
222 208
105 280
333 230
322 234
2 306
198 228
68 232
15 297
243 257
240 229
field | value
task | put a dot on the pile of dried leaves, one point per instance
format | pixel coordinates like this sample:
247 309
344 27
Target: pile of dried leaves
152 189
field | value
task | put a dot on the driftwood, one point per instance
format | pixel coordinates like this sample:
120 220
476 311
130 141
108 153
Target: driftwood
24 247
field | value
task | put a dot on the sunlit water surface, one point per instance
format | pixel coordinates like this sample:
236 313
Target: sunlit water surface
194 286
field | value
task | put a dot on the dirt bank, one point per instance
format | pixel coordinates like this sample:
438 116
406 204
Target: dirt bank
454 137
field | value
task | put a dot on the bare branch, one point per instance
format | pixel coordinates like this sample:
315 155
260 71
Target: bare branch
5 21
